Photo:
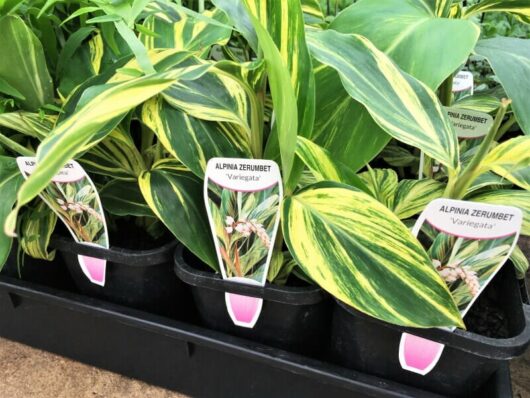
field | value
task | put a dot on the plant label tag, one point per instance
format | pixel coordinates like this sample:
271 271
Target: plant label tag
242 198
468 244
470 124
73 197
463 81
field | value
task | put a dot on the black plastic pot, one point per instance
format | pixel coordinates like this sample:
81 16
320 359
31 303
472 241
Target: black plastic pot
140 279
50 273
293 318
365 344
183 357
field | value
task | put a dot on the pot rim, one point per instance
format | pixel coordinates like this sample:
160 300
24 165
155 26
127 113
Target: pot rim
292 295
129 257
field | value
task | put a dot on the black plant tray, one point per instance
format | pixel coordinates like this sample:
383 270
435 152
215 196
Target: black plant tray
180 356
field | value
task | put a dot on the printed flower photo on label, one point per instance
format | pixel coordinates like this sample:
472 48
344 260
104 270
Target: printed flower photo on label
78 205
466 265
244 223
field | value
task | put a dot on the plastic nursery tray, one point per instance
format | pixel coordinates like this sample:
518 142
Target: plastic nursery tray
181 356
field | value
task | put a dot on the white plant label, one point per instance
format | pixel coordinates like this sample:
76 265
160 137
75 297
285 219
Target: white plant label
242 198
470 124
463 81
73 197
469 243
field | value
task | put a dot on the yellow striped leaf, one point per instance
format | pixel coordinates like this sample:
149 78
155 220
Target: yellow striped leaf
178 30
412 196
520 262
124 198
323 167
313 13
28 123
343 126
519 8
107 104
23 64
510 160
357 250
176 196
382 184
508 197
404 107
37 226
284 21
10 180
191 140
413 30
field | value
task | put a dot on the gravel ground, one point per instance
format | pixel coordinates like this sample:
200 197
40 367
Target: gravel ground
29 373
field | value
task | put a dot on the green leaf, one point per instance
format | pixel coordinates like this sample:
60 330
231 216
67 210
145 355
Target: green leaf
412 196
36 226
10 180
27 123
412 31
6 88
237 13
283 97
508 197
323 167
334 233
108 104
343 126
479 102
23 65
181 31
193 141
136 46
510 60
70 47
124 198
176 196
402 106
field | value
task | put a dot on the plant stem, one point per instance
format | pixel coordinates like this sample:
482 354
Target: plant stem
201 6
465 179
505 127
15 147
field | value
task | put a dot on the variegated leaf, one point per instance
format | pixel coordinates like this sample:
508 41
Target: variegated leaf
193 141
404 107
176 196
23 65
37 226
175 29
28 123
412 30
412 196
10 180
323 167
382 184
124 198
519 8
343 126
511 160
508 197
107 104
357 250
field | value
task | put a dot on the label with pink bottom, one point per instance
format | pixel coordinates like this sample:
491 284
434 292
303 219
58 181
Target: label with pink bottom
73 197
242 198
468 243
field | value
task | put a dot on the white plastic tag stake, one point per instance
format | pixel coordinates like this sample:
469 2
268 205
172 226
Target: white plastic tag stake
469 124
242 198
469 234
73 197
463 81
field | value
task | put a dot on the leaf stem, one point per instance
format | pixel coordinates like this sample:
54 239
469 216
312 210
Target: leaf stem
505 127
467 176
446 91
15 147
